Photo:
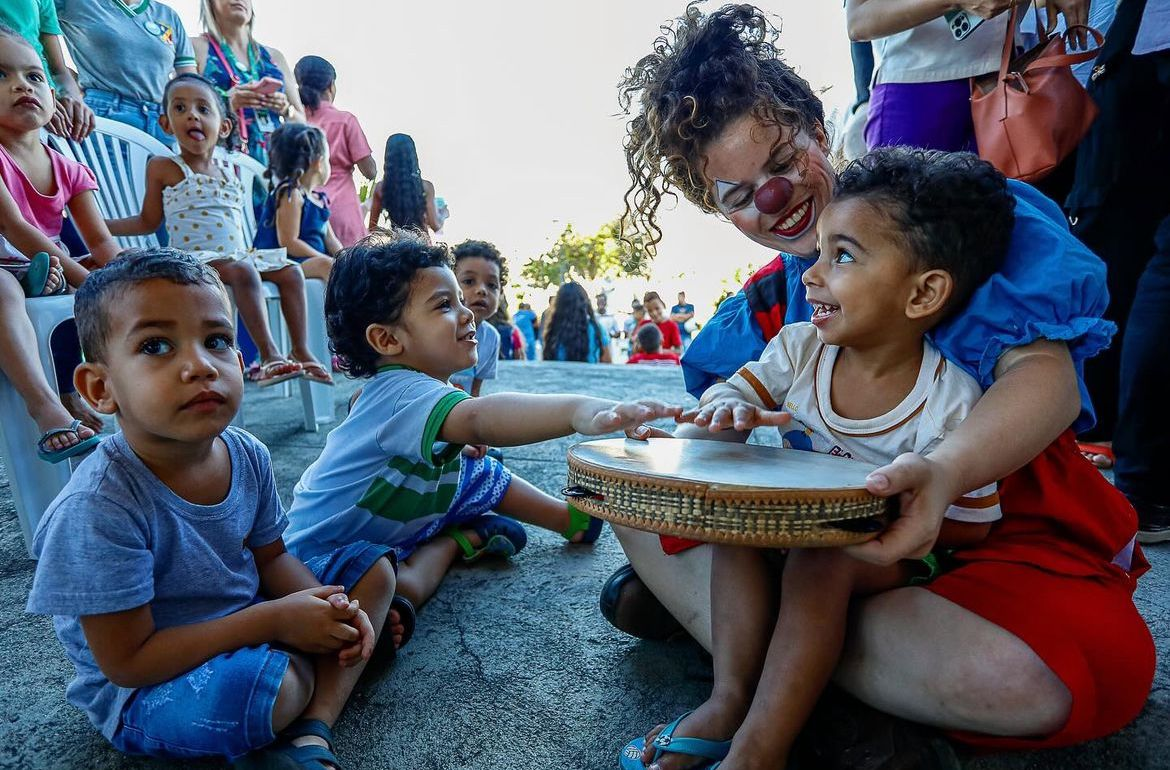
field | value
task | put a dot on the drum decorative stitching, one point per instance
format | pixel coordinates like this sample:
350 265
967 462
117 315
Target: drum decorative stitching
632 489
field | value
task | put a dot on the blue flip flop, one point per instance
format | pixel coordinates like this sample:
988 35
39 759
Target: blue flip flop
500 536
666 743
36 277
80 448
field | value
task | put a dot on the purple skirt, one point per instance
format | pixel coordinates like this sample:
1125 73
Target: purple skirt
933 116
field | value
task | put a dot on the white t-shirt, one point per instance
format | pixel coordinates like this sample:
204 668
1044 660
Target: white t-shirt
929 52
794 375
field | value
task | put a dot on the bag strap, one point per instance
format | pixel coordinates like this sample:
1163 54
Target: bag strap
233 78
1009 44
1069 59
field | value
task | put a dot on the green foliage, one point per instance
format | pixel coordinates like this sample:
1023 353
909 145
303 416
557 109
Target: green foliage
587 258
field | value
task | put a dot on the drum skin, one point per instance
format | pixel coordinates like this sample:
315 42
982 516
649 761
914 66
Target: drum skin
726 492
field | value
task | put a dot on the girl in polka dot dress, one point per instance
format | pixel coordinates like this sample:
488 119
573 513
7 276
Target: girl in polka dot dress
203 204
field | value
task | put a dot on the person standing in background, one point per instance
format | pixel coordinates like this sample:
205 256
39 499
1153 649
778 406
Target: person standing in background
348 148
608 321
252 77
682 314
525 320
36 21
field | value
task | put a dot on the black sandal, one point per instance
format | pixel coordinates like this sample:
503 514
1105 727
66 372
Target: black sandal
283 755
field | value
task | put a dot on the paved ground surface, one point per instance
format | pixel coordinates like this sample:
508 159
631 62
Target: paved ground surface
512 665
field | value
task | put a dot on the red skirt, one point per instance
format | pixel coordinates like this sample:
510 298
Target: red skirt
1058 571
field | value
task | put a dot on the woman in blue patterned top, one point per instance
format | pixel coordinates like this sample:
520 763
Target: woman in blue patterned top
249 75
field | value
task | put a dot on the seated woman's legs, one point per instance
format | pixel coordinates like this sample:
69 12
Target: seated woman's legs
18 358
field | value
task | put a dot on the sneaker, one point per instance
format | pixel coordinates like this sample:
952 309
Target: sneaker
1153 521
631 607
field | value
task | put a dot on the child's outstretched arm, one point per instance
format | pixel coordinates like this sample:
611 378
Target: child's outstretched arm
288 226
159 171
513 419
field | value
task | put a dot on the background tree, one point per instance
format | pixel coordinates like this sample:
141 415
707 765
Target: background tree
588 258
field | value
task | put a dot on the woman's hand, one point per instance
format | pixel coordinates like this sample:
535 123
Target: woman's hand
245 97
986 9
925 490
277 102
79 119
1076 12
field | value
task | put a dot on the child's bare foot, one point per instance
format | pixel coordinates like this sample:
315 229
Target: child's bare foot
81 410
716 720
54 415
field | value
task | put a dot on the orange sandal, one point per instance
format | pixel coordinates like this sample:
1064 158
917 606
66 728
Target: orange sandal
1091 450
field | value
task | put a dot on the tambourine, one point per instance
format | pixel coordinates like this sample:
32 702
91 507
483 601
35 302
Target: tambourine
727 492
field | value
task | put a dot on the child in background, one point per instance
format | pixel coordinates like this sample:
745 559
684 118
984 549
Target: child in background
650 348
908 237
295 216
393 471
632 323
348 147
656 314
192 630
203 204
480 271
37 184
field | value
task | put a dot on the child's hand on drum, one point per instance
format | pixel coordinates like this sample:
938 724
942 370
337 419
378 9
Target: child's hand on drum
598 417
729 410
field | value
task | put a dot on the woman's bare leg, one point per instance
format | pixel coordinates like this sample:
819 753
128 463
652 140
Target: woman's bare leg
22 367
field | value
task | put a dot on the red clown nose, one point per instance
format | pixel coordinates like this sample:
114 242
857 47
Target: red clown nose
774 196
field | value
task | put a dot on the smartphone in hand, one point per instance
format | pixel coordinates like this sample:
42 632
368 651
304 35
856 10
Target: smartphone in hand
267 86
962 23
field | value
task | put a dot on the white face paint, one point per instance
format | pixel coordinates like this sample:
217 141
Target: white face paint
728 200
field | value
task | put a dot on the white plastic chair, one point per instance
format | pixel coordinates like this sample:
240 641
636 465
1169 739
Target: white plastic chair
34 482
117 154
316 398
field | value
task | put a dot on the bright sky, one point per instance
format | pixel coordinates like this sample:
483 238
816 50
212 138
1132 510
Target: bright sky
513 109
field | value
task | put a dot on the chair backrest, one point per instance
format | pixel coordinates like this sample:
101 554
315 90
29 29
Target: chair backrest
250 172
117 154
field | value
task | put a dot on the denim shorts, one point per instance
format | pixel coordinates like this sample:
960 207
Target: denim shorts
223 708
133 112
482 485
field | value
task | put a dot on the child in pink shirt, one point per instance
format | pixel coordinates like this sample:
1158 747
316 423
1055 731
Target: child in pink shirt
348 147
36 185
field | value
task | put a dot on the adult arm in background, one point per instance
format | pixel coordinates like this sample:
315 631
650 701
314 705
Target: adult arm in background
368 166
74 118
872 19
431 215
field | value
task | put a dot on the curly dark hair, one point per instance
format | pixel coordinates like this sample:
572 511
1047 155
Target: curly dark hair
483 250
292 149
705 73
370 284
953 211
404 199
314 76
567 335
97 298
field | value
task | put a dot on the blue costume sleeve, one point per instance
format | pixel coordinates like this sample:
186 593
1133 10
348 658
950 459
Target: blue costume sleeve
1049 287
729 340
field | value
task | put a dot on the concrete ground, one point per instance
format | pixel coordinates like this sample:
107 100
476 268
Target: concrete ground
512 665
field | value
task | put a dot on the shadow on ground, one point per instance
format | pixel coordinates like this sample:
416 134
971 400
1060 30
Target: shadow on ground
512 665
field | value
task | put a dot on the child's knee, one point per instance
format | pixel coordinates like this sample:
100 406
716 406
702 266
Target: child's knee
378 583
10 287
290 276
296 689
238 274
